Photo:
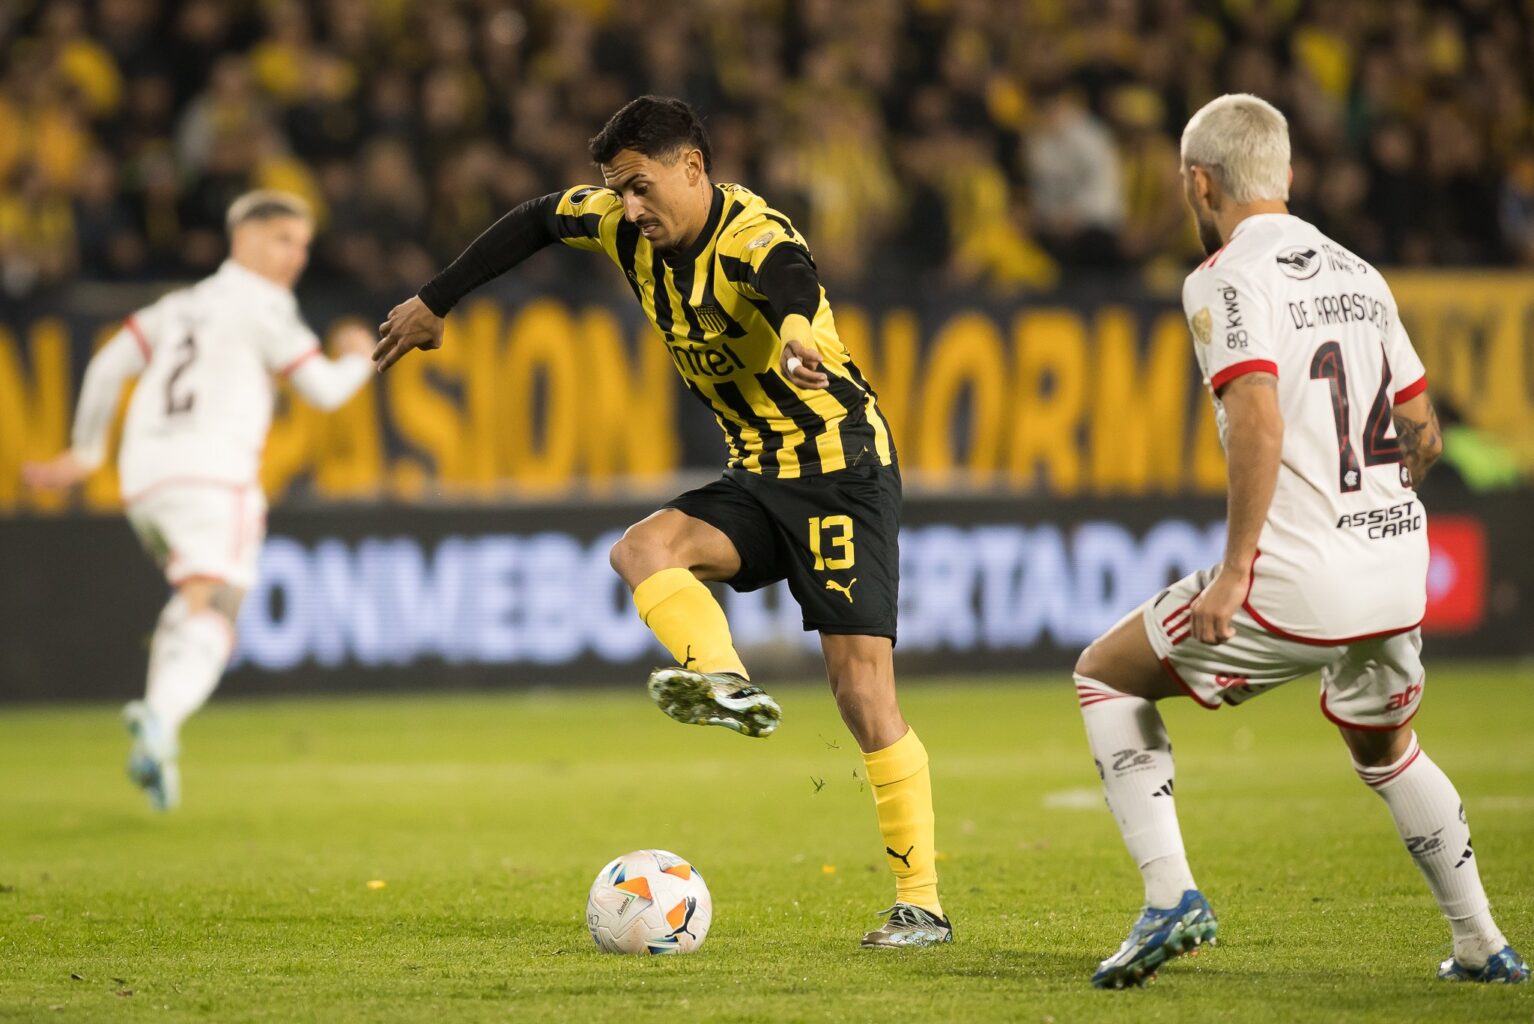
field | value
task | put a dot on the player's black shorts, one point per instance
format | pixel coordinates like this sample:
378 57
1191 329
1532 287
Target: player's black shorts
834 537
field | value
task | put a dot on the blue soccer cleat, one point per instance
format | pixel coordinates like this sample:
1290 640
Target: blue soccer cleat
1504 968
152 760
1158 936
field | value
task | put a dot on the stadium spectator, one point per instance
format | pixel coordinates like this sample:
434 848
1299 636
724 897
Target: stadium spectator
37 232
1050 124
109 247
1074 175
1156 233
1517 208
228 105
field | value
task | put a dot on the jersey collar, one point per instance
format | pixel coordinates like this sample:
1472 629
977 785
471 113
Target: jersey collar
705 236
1256 216
244 277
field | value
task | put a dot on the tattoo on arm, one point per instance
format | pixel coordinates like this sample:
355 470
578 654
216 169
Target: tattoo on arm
1420 443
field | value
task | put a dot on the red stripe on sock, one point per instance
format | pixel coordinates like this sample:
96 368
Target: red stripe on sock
1414 755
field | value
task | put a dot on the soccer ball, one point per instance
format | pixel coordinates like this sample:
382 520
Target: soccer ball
649 901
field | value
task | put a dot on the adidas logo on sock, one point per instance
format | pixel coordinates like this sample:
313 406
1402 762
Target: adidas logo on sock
1165 790
1464 858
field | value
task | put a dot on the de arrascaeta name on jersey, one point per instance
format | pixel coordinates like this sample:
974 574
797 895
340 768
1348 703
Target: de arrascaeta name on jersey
1305 314
1325 310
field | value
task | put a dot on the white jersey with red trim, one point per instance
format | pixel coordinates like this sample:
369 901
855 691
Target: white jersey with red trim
1344 553
203 403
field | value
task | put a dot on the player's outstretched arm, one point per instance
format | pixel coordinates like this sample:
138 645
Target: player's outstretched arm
418 322
789 281
327 384
56 474
119 360
1254 440
800 358
1419 434
410 325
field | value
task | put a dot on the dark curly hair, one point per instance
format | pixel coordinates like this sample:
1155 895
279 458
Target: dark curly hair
656 126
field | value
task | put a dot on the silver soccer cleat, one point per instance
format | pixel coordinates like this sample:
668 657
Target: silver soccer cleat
714 698
907 927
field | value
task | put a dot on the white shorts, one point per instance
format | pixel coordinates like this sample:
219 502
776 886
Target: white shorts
1371 684
202 529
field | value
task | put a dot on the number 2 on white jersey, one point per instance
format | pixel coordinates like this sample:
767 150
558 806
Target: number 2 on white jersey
174 403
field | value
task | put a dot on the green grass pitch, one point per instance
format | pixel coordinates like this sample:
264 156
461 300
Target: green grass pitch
487 817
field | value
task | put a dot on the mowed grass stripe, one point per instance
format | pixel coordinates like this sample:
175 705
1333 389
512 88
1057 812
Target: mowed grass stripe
487 816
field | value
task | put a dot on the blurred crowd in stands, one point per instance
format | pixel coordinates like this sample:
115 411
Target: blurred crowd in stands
999 144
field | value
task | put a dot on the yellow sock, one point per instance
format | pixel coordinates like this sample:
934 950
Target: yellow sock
903 797
684 616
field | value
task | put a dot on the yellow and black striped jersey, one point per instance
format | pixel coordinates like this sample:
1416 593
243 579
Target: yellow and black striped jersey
723 334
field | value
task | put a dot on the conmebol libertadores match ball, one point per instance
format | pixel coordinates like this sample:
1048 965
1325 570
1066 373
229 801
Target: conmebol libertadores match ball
649 901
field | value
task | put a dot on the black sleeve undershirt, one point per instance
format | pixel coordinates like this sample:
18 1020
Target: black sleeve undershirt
504 244
789 281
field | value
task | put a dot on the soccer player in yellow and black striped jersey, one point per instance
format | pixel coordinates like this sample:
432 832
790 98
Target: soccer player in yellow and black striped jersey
811 492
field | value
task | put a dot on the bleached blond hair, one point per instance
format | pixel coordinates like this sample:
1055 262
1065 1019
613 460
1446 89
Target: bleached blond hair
265 204
1243 141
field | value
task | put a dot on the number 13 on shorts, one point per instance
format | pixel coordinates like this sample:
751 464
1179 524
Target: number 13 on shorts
837 531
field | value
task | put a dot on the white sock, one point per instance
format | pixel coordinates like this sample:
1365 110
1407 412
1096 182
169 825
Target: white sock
1431 820
186 658
1134 759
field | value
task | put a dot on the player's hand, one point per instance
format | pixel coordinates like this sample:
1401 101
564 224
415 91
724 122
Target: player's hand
354 340
1217 604
55 474
800 359
410 325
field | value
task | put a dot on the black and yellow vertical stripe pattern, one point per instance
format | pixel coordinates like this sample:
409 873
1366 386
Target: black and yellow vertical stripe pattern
723 334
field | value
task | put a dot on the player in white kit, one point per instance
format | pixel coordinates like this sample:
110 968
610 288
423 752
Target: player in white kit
205 358
1323 410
